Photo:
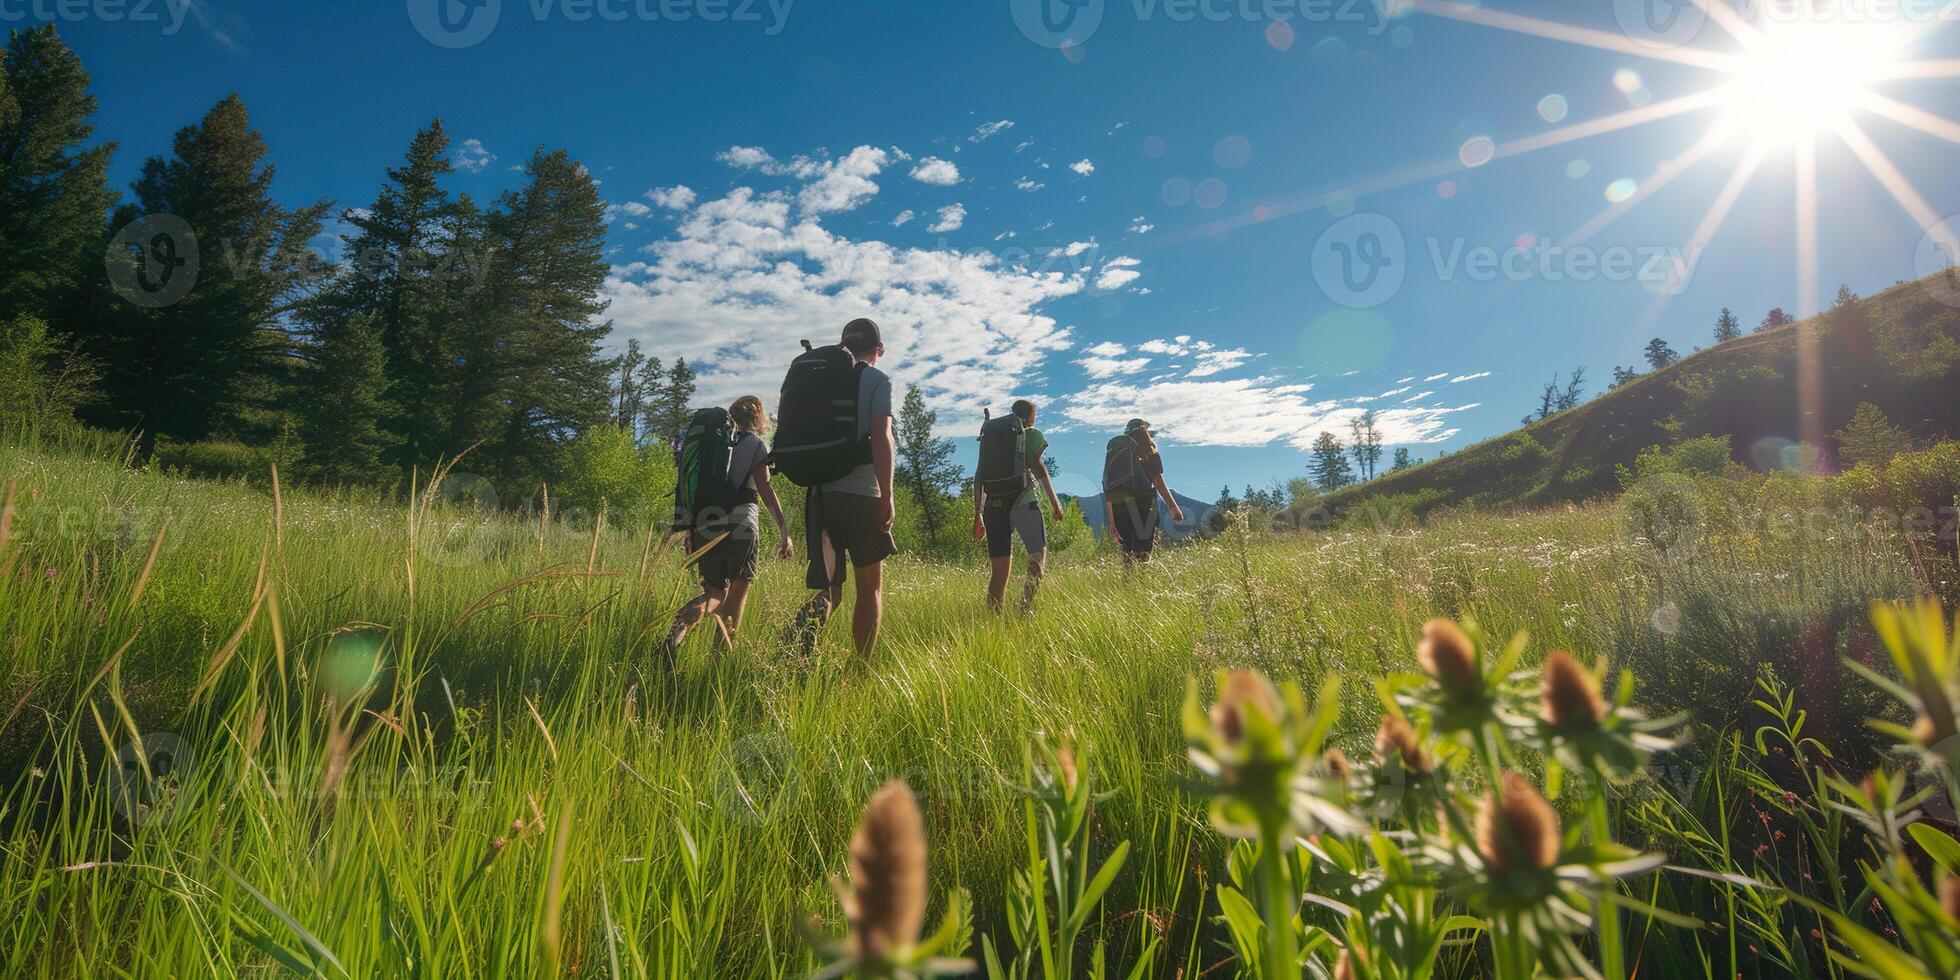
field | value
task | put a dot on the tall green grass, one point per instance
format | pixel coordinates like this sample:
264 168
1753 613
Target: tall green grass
424 741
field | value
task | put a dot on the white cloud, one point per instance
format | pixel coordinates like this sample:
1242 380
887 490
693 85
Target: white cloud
1392 392
1219 361
1459 379
933 170
473 157
1083 166
679 197
990 129
1140 226
1118 272
1099 368
1247 413
633 209
829 185
952 217
1024 145
1077 248
1418 396
1436 377
904 218
966 327
1107 348
1028 184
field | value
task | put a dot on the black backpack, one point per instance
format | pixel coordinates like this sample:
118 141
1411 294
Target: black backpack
703 485
816 422
1123 474
1003 469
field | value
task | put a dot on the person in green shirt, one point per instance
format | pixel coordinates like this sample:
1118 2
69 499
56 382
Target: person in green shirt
998 521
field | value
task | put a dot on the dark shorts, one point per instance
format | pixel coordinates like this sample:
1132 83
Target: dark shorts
843 527
733 560
1136 525
1003 523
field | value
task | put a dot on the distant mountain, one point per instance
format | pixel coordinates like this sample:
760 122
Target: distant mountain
1769 391
1093 512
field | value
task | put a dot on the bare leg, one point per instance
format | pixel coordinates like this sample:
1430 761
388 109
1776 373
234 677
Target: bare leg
870 607
706 603
1037 564
731 607
997 586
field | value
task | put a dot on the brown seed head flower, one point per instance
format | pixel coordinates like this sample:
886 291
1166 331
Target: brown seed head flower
1930 733
1950 896
1243 689
1344 967
1065 758
1570 694
1337 764
888 873
1447 654
1396 738
1516 828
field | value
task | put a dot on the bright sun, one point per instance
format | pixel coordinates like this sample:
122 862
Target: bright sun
1798 78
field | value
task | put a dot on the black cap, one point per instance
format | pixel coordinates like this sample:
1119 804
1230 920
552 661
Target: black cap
861 336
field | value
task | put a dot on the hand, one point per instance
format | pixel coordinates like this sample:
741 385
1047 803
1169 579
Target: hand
785 547
1177 514
1058 511
979 530
885 513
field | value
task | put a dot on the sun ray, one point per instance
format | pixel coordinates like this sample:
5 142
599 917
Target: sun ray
1728 20
1588 37
1927 68
1718 212
1910 115
1810 379
1608 124
1663 175
1896 184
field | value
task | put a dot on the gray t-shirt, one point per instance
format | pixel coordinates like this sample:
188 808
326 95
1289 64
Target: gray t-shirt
747 454
874 400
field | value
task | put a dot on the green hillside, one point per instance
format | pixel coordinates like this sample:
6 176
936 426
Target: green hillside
1899 350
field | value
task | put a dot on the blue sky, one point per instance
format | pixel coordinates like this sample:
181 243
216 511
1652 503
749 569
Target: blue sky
1148 222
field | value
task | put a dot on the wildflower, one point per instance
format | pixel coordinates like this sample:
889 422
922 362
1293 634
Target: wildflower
1396 742
887 906
1516 828
1253 745
1916 637
1344 967
1950 896
1570 695
1448 655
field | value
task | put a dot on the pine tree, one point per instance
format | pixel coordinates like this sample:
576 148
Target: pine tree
925 468
629 389
1403 460
1869 438
1622 375
398 276
219 361
1659 354
343 414
1845 297
674 405
1329 466
1727 327
1773 319
545 371
54 195
1367 445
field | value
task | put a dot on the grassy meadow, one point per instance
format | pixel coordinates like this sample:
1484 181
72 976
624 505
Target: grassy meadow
419 741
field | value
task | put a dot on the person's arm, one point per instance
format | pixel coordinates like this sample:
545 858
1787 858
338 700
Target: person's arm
881 464
760 481
1047 487
979 500
1177 513
1109 518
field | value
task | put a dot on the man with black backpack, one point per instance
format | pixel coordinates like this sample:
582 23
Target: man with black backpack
834 438
1133 482
1005 502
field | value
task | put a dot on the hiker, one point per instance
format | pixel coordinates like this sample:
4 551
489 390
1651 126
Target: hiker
718 500
836 440
1005 500
1133 481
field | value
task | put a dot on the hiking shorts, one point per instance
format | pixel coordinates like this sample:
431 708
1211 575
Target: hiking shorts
843 526
1003 523
733 560
1136 525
